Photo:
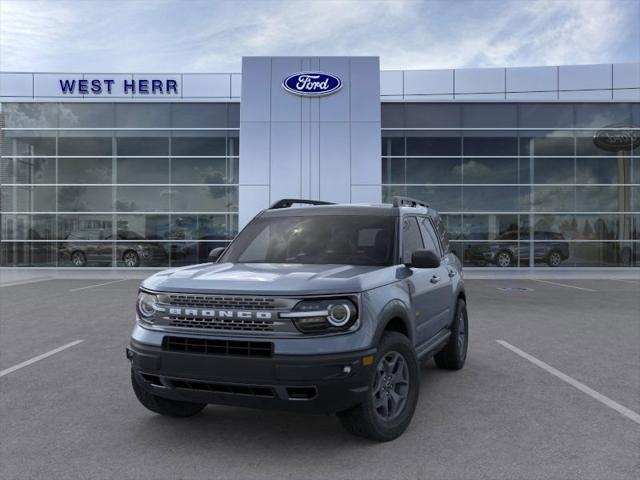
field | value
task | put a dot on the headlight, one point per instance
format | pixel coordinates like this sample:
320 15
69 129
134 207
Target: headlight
146 306
323 316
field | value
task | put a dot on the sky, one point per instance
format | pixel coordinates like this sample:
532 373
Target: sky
148 36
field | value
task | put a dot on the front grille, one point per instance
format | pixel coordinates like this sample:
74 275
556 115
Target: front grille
222 302
222 324
218 347
254 390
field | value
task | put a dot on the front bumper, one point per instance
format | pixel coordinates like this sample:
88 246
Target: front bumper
325 383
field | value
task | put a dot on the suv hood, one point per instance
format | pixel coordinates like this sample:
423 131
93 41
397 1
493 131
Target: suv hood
271 279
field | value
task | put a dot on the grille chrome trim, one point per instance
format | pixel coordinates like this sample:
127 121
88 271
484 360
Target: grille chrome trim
220 301
222 324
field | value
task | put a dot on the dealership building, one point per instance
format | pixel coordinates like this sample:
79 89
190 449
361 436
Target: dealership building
529 167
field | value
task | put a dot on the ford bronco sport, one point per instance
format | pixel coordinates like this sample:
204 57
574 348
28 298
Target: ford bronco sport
323 308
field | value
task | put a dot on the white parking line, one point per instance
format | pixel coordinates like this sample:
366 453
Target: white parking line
574 383
38 358
564 285
25 282
98 285
625 281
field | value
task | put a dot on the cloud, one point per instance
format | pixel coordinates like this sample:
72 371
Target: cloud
163 36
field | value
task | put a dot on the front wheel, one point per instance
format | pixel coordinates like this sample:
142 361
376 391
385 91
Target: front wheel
504 259
130 259
393 392
454 353
164 406
554 259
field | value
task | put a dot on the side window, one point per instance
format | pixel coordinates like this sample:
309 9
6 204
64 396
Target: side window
442 232
411 238
430 239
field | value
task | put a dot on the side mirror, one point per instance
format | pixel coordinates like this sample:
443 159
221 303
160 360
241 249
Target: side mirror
214 254
424 259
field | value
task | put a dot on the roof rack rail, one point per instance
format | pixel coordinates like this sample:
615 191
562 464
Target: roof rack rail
288 202
408 202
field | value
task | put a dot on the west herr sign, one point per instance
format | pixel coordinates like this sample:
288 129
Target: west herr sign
139 86
312 84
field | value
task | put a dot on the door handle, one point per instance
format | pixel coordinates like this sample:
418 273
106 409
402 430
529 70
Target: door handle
435 279
452 273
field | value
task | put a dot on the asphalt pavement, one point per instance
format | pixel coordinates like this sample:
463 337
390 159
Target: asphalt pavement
67 409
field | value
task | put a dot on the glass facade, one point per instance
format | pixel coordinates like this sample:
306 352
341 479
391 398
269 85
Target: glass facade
156 184
520 184
116 184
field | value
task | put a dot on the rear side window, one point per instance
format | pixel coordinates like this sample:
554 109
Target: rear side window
411 238
430 239
442 233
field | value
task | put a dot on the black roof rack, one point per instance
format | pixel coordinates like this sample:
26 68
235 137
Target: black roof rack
408 202
288 202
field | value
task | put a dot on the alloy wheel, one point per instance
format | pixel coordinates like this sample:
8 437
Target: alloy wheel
504 259
390 386
130 259
555 259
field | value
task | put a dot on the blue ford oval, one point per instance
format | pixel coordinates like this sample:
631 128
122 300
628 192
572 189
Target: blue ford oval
312 84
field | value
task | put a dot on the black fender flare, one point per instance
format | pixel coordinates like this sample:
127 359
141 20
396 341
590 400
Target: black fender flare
394 309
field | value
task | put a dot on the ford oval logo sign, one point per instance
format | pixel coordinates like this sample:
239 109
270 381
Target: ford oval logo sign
312 84
618 137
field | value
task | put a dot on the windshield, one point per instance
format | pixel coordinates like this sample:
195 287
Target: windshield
338 239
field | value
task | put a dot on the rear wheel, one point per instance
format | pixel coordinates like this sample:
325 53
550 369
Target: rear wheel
393 393
454 354
504 258
164 406
78 259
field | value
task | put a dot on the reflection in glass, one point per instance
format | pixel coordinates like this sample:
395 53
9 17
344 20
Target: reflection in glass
84 146
490 227
142 146
142 170
84 226
27 170
148 227
28 254
204 199
143 199
43 145
27 198
84 170
433 170
494 199
198 146
80 198
28 227
204 170
490 170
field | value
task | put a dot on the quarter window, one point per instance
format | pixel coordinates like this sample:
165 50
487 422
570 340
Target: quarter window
411 238
429 236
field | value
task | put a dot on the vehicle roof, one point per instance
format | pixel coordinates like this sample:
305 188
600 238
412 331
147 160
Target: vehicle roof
368 209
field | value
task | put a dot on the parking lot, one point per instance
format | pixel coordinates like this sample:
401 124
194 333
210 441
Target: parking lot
551 389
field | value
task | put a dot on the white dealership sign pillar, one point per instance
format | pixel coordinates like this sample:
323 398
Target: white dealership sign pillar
322 142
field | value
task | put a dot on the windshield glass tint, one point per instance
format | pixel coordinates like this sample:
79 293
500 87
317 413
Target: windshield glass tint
337 239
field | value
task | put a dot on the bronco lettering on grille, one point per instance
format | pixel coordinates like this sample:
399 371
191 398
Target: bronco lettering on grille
209 313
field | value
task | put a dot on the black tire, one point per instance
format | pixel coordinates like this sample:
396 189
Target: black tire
454 353
131 259
78 259
504 258
164 406
554 258
366 420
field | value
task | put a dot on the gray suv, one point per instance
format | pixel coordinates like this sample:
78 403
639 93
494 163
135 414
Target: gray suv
323 308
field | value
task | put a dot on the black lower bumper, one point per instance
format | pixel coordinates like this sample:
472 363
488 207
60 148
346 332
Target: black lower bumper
314 383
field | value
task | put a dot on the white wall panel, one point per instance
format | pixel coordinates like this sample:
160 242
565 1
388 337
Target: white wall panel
365 89
626 75
335 107
391 83
585 95
16 85
284 106
256 89
254 151
585 77
366 194
532 79
365 153
627 94
334 161
479 80
253 199
524 96
285 160
206 85
426 82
